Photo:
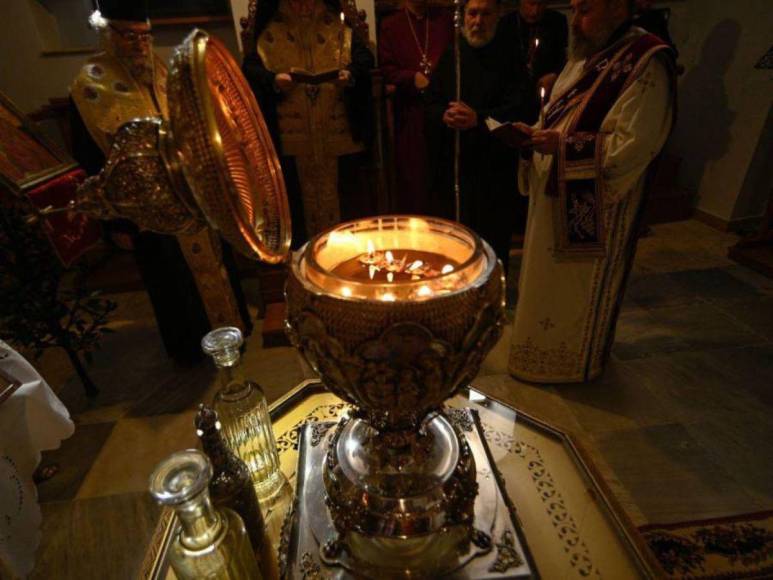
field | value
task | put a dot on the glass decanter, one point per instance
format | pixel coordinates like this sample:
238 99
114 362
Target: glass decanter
231 487
210 543
243 411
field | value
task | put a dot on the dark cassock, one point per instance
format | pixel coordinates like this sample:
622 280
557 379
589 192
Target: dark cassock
408 44
322 132
495 84
543 44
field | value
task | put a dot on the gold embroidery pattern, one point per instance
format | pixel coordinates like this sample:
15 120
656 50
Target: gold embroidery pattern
533 360
625 66
546 324
582 216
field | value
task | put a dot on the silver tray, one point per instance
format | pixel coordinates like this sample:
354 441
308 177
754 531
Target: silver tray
503 553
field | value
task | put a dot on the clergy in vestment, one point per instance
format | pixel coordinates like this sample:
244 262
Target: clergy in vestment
410 44
127 80
611 112
320 129
494 83
541 35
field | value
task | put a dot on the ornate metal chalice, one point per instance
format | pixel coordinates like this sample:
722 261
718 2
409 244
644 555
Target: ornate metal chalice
396 313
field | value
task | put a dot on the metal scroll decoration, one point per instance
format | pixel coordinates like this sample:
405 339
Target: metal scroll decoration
212 163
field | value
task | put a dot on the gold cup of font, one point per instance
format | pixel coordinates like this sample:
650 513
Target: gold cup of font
396 313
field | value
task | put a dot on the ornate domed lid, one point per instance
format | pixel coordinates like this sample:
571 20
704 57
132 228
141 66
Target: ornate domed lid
222 145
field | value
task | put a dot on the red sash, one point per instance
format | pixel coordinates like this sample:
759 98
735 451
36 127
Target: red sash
577 170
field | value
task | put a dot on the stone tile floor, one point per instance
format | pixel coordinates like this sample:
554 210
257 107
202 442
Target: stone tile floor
679 425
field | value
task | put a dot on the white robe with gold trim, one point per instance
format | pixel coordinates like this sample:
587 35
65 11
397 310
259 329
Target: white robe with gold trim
566 310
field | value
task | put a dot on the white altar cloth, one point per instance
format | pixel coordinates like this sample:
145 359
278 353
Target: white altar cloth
32 420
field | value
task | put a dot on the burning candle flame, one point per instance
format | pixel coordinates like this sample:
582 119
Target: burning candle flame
415 265
388 297
424 291
342 17
371 249
390 277
346 291
542 94
536 43
447 269
389 257
372 271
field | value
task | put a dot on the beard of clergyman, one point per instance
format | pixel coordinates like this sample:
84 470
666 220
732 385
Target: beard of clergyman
480 37
582 46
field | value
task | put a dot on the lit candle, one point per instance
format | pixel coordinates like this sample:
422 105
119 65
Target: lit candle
341 43
542 107
404 259
536 43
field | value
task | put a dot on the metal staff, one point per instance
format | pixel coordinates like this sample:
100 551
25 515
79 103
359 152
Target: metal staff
457 133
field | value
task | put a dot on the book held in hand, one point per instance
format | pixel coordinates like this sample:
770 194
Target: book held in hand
510 135
303 76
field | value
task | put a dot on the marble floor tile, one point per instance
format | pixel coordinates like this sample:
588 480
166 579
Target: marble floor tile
616 401
128 367
755 312
712 284
700 326
103 538
670 475
750 369
176 392
709 393
762 284
654 290
639 335
686 245
132 451
75 458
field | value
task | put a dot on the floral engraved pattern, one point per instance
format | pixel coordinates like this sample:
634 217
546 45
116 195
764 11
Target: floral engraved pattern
507 555
289 439
310 569
460 418
401 375
318 432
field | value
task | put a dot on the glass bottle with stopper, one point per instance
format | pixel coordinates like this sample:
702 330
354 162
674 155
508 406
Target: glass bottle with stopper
210 543
231 487
243 412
